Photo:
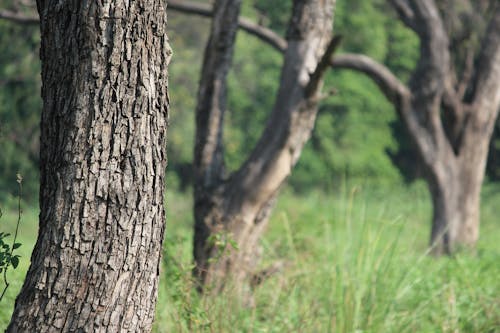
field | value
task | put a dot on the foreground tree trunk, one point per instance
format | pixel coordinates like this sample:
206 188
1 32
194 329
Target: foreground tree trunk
232 211
95 266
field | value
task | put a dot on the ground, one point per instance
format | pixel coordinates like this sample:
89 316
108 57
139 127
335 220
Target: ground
355 261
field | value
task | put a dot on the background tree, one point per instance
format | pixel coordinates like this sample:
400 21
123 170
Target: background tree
234 209
96 262
449 110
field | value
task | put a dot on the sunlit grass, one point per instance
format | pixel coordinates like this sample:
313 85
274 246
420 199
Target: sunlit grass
355 261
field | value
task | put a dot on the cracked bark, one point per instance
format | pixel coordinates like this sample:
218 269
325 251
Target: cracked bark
236 207
95 266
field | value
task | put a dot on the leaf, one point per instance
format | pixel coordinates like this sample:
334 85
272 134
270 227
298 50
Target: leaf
16 246
14 261
234 244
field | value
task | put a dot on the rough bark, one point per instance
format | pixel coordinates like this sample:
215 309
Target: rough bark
95 266
234 209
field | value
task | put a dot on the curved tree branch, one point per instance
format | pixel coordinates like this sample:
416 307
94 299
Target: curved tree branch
390 85
405 12
263 33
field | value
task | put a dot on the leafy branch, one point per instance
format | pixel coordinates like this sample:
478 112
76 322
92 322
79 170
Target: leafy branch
7 256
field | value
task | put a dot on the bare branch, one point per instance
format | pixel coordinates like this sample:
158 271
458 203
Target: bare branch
19 18
390 85
263 33
405 12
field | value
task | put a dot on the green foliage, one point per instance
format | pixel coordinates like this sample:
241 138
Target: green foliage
356 261
357 132
20 106
250 101
274 14
7 256
223 243
353 130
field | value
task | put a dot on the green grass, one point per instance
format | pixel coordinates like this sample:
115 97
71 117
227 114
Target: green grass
355 261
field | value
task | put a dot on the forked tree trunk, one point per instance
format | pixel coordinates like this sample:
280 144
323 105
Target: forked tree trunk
231 212
95 266
455 192
450 120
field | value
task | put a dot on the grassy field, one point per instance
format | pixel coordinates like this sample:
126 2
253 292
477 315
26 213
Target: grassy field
355 261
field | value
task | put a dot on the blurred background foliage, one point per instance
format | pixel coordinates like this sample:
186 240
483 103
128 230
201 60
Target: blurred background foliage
357 135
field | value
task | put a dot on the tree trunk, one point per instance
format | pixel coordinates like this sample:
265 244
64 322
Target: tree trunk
455 193
95 266
232 212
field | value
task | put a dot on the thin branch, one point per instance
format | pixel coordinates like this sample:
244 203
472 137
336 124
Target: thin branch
390 85
427 20
486 82
19 18
405 12
263 33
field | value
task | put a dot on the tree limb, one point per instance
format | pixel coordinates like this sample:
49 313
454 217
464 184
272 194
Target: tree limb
405 12
19 18
486 81
263 33
388 83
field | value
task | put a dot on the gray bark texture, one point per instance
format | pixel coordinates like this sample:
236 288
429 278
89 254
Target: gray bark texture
234 209
95 266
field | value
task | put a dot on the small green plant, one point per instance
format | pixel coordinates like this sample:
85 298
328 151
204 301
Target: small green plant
7 256
222 242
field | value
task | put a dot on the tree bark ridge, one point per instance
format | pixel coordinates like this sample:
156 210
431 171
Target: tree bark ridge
95 266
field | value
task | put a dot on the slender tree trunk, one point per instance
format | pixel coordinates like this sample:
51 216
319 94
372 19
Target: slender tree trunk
95 266
231 212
